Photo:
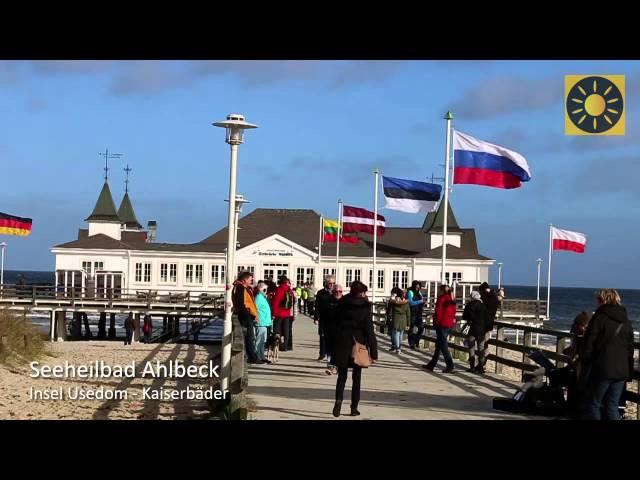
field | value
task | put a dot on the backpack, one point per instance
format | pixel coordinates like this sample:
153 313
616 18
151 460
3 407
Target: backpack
287 301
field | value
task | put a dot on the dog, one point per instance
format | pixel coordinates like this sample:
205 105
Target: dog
273 344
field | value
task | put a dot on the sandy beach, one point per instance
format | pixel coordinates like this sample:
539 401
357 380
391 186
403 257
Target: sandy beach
17 387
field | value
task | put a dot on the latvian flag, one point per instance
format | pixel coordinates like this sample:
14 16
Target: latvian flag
568 240
410 196
356 219
11 225
478 162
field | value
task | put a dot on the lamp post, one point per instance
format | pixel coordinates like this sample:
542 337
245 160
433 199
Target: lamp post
539 261
499 274
235 126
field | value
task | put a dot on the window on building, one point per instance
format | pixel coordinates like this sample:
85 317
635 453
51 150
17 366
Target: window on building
217 274
357 273
97 266
143 272
246 268
450 277
328 271
400 278
188 273
348 277
173 272
164 272
299 276
310 276
404 280
199 270
86 266
395 278
380 279
147 273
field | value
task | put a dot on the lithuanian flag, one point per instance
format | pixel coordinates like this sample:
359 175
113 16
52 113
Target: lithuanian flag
330 233
11 225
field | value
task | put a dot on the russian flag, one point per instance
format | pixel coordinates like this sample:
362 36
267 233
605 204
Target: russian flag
478 162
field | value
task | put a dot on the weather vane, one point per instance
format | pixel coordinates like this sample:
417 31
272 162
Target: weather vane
107 156
126 182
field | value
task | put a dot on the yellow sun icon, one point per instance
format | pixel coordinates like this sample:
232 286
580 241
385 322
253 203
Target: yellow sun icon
594 105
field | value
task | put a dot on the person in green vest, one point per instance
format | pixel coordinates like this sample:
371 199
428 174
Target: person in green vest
298 291
305 297
311 299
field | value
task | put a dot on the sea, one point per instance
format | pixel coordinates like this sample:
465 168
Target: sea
566 302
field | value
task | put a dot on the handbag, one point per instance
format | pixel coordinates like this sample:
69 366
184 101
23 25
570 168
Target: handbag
360 354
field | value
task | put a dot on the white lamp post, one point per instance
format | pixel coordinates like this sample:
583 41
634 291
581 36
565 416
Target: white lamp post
538 287
499 274
235 127
2 247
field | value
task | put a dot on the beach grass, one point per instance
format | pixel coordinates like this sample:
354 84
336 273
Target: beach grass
20 340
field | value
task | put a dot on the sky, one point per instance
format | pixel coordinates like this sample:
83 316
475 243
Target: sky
324 126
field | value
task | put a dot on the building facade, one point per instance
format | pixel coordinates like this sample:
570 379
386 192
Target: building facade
116 254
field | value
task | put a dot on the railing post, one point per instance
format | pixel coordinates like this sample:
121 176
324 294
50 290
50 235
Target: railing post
33 294
527 343
499 350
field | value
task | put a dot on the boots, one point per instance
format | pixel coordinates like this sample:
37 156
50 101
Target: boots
336 409
354 411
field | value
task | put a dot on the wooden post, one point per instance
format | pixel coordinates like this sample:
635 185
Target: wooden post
560 343
26 341
499 350
3 343
33 295
112 326
527 342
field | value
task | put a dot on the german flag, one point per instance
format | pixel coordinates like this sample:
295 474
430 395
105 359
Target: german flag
12 225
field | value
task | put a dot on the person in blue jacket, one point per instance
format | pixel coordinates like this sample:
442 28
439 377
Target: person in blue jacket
416 304
263 321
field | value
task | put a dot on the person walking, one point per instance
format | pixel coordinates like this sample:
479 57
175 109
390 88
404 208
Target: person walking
475 314
416 304
398 318
282 311
244 306
492 302
128 329
607 355
147 327
444 319
264 321
321 313
354 323
329 329
311 300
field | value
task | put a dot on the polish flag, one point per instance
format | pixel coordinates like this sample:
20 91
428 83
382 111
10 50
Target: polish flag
568 240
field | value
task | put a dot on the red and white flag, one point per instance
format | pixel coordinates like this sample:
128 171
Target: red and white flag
356 219
568 240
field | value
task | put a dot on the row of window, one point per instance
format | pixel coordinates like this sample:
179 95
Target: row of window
193 273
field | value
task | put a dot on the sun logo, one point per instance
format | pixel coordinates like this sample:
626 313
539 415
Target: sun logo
594 105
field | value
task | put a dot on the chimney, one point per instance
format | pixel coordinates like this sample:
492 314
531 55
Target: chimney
152 230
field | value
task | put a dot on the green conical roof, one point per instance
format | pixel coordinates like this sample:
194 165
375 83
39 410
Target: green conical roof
126 213
435 220
105 209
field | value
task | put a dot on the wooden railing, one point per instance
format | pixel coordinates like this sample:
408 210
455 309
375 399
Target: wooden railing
9 292
560 341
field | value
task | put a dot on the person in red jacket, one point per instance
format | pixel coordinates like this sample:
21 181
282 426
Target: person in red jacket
444 318
282 311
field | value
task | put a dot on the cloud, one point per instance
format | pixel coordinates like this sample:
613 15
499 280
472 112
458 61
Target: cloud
609 175
36 105
254 73
54 67
366 72
147 77
8 72
506 95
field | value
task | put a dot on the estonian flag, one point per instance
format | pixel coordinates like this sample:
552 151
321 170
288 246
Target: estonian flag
482 163
409 195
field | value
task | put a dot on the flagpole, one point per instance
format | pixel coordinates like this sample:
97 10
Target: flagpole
549 272
338 240
376 174
320 250
448 117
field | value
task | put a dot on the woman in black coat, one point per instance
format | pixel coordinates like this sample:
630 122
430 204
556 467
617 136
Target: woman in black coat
477 317
353 321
